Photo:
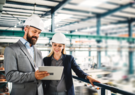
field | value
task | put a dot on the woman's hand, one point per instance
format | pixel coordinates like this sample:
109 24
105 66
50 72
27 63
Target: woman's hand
91 80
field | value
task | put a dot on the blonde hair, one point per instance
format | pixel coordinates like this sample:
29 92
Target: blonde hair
51 53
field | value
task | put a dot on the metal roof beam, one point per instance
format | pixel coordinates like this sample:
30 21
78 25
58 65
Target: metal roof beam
130 13
53 1
7 18
123 22
11 21
8 25
92 7
23 9
12 16
27 4
73 14
104 14
75 10
76 21
117 33
119 16
2 2
101 8
119 22
115 29
112 3
117 9
58 7
133 7
126 32
19 12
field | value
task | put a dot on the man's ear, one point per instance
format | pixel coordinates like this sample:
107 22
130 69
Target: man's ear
26 30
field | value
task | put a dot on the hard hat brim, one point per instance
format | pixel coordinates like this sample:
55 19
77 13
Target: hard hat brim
57 42
36 27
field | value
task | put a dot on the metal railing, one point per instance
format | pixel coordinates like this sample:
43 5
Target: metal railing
103 87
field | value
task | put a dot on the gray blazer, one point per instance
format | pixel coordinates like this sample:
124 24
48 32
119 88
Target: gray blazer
19 69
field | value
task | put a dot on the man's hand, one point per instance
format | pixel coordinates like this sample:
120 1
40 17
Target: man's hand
91 80
41 75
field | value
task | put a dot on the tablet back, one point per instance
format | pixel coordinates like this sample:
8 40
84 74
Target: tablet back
55 72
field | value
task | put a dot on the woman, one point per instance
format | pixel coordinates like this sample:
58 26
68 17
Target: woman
58 57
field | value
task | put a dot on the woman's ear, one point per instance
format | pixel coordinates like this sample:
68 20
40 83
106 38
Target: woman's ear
63 46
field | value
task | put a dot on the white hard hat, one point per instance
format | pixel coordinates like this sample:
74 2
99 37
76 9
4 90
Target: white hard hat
35 21
59 38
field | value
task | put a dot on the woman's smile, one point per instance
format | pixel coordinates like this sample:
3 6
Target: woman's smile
56 50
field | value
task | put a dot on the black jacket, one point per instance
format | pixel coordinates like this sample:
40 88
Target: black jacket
68 63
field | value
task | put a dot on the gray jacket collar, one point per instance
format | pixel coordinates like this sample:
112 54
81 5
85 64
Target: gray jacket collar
24 49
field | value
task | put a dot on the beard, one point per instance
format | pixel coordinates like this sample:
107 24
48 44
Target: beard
30 40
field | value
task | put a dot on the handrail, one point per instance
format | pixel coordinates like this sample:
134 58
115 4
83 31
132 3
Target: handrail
113 89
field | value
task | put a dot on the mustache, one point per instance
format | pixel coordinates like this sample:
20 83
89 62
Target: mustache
34 37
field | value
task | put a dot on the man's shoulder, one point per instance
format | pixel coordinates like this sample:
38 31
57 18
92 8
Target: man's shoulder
12 48
14 45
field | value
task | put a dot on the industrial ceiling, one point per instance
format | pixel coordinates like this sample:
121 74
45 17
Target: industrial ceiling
71 16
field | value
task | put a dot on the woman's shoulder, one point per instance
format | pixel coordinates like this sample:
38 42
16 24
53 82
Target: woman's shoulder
46 58
68 56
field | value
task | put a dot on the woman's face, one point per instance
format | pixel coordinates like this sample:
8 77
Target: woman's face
57 48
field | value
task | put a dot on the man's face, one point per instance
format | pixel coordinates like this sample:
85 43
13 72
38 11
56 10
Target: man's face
32 35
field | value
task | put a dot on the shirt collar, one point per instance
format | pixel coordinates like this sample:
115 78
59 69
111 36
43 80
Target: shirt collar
59 59
26 43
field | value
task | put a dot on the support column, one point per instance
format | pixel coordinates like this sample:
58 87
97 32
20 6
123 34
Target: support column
131 71
98 41
106 46
52 24
99 59
49 43
52 21
71 43
89 51
120 51
130 28
98 25
102 91
22 28
70 46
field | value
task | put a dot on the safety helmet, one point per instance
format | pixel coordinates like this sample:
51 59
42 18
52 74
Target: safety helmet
35 21
59 38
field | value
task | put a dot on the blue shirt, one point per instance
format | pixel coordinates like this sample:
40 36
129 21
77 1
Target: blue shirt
27 45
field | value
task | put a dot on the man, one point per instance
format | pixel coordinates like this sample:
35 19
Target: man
22 60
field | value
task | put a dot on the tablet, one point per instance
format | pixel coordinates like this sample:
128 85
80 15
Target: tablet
54 71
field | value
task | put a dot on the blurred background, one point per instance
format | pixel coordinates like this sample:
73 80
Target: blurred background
100 36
